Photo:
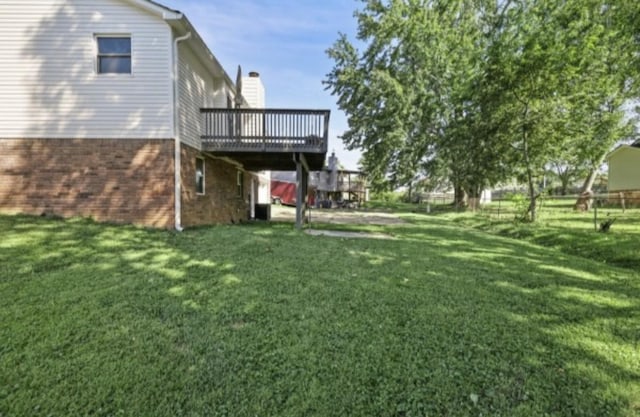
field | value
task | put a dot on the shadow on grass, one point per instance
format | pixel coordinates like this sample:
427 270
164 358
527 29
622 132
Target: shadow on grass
571 233
568 317
260 319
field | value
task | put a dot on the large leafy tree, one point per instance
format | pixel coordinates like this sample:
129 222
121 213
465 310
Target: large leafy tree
408 93
483 90
563 72
610 81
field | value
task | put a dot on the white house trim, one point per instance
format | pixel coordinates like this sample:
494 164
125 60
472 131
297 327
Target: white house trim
622 147
182 25
157 9
176 134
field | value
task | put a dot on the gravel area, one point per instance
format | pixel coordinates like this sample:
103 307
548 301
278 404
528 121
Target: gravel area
336 216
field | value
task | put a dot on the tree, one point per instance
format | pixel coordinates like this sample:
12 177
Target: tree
527 66
481 91
409 94
609 82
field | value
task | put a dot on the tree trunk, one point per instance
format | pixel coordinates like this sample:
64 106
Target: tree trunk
584 198
564 180
565 185
588 182
459 196
564 175
532 194
473 200
532 190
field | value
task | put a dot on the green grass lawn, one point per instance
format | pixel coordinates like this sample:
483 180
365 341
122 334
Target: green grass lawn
568 231
262 320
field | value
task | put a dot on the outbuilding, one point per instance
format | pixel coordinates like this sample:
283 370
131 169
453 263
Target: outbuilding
624 173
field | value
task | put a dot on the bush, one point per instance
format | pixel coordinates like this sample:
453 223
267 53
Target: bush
386 196
520 203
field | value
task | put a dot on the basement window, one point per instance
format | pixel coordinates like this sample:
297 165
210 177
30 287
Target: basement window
114 54
200 176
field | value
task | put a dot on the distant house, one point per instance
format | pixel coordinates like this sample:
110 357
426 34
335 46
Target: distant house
624 172
117 110
330 186
338 187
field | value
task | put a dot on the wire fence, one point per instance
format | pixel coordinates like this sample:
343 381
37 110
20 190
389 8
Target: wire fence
596 212
435 199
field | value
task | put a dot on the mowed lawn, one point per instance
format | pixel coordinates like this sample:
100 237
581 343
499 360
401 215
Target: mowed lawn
261 320
563 228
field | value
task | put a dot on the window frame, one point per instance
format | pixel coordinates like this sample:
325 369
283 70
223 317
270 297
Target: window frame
197 184
98 55
240 183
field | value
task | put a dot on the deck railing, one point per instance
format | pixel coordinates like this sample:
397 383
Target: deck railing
356 187
265 130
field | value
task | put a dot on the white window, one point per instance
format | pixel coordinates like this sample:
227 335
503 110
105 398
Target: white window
199 176
114 54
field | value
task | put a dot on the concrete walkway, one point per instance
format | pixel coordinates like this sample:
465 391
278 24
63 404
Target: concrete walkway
339 216
348 235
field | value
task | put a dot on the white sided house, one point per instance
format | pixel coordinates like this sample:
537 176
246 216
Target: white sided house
117 110
624 174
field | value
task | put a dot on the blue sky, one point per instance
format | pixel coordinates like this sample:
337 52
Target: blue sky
285 41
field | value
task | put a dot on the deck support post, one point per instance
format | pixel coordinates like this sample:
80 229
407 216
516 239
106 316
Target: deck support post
302 181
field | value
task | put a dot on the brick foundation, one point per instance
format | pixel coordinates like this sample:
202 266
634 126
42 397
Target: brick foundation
220 202
122 181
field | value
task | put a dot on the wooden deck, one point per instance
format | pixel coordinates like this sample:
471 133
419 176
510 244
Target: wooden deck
267 138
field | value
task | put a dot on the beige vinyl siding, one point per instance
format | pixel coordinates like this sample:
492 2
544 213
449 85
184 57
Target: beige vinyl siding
624 169
198 88
49 87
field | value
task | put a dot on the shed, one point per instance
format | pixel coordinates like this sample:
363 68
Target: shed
624 172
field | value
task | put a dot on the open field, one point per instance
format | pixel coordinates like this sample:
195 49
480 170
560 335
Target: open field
262 320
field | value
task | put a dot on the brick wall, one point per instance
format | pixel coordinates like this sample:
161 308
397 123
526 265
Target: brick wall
122 181
220 202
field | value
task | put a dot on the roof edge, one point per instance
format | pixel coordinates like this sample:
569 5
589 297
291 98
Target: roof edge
181 23
622 147
156 8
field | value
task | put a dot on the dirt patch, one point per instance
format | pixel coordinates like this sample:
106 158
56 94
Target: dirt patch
335 216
